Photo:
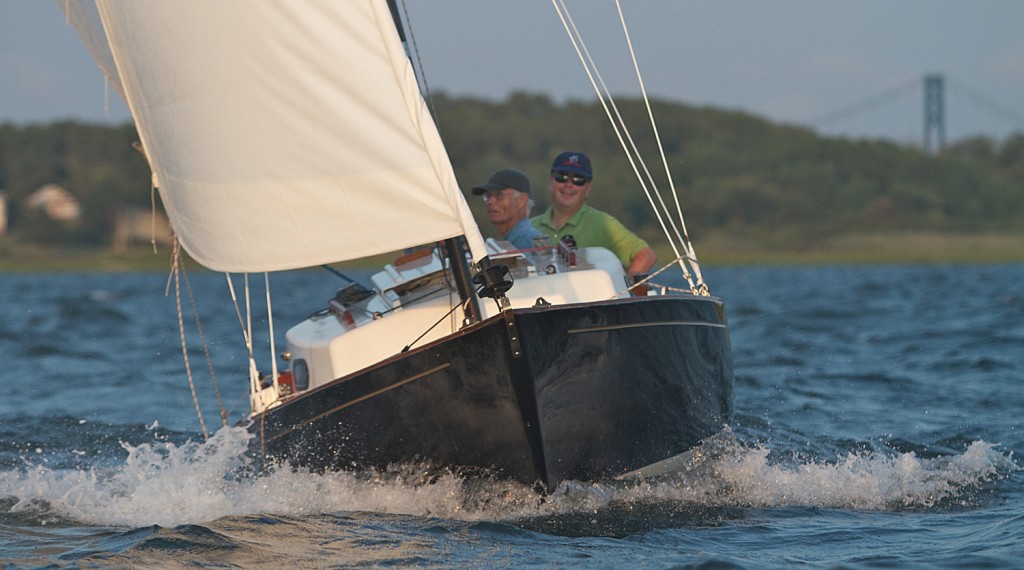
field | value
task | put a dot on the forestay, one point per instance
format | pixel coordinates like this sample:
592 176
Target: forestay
281 134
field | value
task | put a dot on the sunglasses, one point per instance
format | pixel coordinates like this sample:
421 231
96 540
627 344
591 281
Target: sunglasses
561 177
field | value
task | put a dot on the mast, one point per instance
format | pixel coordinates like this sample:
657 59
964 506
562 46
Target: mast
393 6
492 279
461 273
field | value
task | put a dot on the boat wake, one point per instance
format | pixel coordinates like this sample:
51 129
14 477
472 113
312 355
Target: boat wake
171 484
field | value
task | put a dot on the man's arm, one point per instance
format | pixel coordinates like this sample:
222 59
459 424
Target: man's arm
641 263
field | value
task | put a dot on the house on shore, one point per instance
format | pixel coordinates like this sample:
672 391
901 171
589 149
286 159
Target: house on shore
134 225
57 203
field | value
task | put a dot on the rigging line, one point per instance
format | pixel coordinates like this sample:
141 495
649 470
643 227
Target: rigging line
235 405
253 386
873 102
248 306
137 145
408 346
404 303
337 273
238 312
106 98
685 238
449 281
669 288
175 271
591 70
270 325
206 349
636 151
601 96
254 374
152 213
990 104
648 279
419 63
588 65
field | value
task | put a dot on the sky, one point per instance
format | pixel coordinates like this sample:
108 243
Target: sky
851 68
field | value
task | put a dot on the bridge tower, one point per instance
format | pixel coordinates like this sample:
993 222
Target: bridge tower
934 112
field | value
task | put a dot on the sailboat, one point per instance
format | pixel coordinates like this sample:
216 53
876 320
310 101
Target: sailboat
293 134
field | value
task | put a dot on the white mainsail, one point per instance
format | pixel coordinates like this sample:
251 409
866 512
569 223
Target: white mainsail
282 134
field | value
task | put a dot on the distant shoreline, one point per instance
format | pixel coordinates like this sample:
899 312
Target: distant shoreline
868 248
717 250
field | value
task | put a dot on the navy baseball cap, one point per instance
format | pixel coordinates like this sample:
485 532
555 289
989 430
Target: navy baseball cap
505 178
573 163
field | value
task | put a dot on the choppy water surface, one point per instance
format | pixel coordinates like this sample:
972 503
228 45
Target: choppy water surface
878 425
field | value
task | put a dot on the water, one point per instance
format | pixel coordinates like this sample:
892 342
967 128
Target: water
877 425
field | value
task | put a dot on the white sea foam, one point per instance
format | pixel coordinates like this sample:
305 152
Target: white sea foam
169 485
872 481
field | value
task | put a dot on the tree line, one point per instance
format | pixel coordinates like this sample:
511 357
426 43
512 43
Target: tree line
96 164
734 172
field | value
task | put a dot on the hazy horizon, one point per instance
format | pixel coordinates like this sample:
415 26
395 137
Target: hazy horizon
789 61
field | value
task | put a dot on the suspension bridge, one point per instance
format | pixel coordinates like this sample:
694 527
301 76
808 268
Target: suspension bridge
928 112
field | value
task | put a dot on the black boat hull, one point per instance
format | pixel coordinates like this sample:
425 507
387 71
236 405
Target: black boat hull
583 392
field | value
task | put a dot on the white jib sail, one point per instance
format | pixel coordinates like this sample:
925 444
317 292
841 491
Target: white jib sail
284 134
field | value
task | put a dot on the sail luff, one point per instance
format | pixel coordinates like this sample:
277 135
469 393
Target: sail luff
432 139
284 134
84 17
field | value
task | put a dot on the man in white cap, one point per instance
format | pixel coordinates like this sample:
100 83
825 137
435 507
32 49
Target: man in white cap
508 194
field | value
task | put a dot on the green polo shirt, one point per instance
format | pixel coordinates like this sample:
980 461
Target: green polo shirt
593 228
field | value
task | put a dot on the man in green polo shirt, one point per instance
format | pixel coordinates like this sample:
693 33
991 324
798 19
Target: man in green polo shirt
570 183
